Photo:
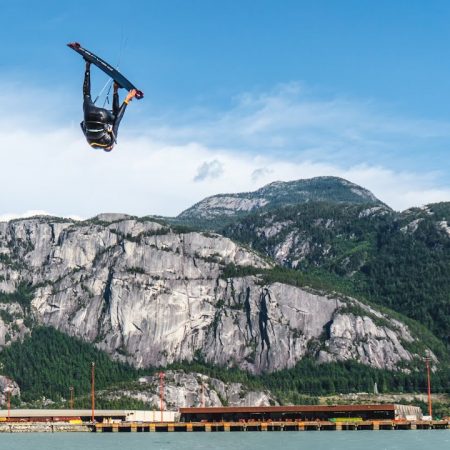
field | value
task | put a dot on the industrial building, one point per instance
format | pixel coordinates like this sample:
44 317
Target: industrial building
301 413
85 415
221 414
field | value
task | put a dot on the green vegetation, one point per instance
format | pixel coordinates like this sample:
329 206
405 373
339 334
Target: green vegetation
9 261
135 270
46 363
6 316
233 271
308 380
23 296
401 261
103 400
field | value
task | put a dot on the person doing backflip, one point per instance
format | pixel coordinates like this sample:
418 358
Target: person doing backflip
100 125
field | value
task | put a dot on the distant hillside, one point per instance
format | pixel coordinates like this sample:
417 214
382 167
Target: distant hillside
401 260
225 207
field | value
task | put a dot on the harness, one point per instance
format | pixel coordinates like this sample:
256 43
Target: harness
100 127
99 134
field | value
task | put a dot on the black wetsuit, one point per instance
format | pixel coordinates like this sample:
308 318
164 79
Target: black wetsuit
100 126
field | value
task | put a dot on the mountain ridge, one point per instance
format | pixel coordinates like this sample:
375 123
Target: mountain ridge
280 193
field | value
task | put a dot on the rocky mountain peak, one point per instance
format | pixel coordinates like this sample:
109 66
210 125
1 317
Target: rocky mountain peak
279 194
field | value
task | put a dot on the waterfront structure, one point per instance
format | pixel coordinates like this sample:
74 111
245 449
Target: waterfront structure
85 415
301 413
275 418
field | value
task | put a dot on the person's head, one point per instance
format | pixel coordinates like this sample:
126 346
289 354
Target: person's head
101 147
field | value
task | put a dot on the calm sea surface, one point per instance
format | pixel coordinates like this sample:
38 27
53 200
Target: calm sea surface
308 440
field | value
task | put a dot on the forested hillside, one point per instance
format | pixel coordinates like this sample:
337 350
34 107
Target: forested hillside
400 260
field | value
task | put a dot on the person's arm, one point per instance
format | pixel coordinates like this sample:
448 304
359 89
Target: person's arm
116 99
121 112
87 81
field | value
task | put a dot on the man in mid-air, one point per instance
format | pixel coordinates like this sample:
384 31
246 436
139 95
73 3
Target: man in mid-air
100 126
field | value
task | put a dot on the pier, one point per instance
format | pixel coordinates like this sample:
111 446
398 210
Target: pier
159 427
222 419
269 426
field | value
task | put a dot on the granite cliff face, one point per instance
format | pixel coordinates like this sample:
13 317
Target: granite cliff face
185 390
149 295
397 259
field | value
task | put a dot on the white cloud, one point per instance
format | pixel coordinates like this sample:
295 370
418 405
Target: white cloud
46 164
210 169
260 173
291 121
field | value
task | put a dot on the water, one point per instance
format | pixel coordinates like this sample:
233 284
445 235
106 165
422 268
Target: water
307 440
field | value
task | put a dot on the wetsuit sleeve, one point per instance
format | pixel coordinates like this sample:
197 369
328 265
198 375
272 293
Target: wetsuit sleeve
117 120
115 103
87 84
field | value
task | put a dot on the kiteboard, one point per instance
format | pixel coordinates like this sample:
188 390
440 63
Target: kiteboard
107 68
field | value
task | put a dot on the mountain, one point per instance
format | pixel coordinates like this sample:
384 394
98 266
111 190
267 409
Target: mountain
339 235
289 297
400 260
149 296
213 210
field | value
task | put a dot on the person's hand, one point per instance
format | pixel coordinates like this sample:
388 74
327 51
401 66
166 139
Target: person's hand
131 95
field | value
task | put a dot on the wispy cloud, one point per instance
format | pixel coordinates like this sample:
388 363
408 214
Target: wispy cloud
211 169
293 122
285 134
260 173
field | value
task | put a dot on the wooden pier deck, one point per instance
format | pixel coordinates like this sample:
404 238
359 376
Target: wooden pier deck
141 427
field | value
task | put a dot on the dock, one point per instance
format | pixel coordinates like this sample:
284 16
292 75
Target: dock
222 419
159 427
269 426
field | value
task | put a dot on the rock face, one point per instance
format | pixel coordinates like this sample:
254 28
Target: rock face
150 296
8 385
281 193
314 234
185 390
400 259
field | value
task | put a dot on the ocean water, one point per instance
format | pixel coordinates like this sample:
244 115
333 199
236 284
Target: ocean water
307 440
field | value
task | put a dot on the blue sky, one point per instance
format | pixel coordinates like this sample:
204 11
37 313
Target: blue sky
261 89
